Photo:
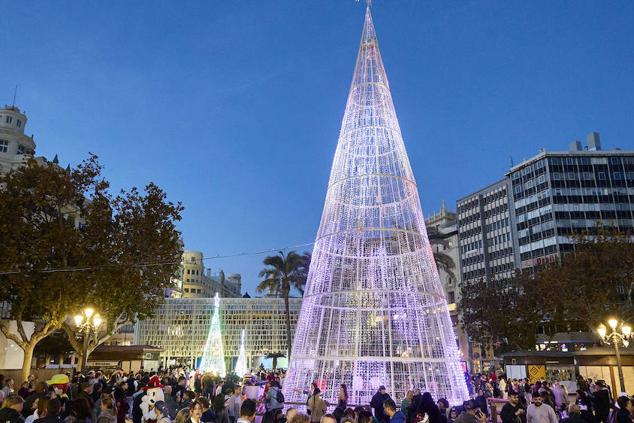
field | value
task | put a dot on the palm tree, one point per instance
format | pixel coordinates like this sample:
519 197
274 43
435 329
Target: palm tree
275 356
281 274
443 261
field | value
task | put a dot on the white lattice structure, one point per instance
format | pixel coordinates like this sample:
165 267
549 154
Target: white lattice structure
181 326
374 312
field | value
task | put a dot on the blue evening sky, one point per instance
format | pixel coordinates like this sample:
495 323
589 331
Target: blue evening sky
234 107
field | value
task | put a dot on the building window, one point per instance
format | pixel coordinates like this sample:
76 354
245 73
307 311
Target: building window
4 146
19 123
9 119
21 149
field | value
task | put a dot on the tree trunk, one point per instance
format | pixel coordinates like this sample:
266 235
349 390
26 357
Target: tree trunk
274 363
28 359
288 328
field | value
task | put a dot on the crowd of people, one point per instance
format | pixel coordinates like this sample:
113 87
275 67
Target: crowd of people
180 396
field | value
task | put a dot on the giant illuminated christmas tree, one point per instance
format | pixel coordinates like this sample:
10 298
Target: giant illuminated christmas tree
213 360
374 311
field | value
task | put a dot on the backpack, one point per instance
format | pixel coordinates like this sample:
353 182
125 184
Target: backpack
280 396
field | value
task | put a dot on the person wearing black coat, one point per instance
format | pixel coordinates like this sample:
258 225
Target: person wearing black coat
602 403
10 413
513 411
417 403
53 409
377 404
428 407
624 415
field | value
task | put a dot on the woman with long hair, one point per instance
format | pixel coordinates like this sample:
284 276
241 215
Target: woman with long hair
79 411
182 416
342 402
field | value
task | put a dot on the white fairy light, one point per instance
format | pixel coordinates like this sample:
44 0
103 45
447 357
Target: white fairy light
213 360
374 312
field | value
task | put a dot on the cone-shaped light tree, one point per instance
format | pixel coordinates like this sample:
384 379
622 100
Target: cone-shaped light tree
374 311
213 360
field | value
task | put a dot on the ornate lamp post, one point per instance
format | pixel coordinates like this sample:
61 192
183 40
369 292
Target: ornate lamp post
87 323
620 333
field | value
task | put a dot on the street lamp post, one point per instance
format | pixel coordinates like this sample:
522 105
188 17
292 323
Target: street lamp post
87 323
620 334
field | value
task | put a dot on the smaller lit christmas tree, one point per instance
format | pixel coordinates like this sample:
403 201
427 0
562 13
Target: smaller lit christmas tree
241 364
214 354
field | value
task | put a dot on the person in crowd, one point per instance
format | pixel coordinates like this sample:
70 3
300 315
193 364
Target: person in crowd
24 390
585 406
364 416
560 395
222 416
290 413
35 415
208 414
481 399
316 406
51 414
40 391
8 388
443 408
513 411
79 411
624 414
540 412
414 406
452 415
234 403
182 416
121 403
162 414
349 414
97 390
574 414
328 418
247 411
11 411
407 401
342 402
106 410
170 403
377 404
429 408
300 418
396 416
274 399
137 399
471 413
503 387
86 392
195 413
601 401
187 400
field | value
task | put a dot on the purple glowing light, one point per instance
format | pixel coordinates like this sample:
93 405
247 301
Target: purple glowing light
374 311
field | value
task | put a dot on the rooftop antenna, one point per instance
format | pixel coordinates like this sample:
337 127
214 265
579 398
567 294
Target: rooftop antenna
511 158
15 93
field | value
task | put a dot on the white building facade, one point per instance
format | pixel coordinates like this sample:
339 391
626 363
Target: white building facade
15 146
181 325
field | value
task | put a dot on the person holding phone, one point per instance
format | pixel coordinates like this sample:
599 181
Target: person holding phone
471 413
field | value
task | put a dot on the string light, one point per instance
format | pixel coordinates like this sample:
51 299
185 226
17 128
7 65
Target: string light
374 311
